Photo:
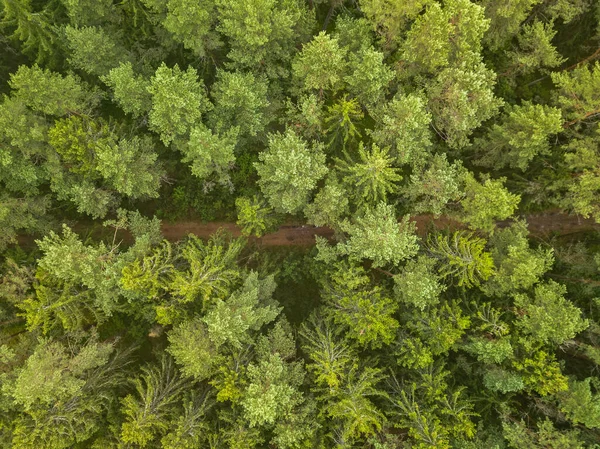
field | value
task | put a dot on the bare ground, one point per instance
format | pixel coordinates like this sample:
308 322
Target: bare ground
551 222
540 225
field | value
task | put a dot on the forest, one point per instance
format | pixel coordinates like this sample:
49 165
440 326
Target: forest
300 224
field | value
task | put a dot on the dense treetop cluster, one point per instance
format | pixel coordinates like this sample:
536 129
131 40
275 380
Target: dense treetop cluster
354 115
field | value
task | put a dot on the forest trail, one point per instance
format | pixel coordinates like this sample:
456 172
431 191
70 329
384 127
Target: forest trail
542 224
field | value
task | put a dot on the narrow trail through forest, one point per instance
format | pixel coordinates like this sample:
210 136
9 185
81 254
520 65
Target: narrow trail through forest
542 224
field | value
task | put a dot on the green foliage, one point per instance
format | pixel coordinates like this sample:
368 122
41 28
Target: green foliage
577 93
445 36
240 102
369 76
321 64
52 375
505 20
389 18
209 154
535 49
353 304
343 113
93 50
341 121
417 285
581 191
486 202
434 186
461 98
580 404
463 257
330 356
191 23
25 214
377 235
549 317
541 372
192 349
289 171
403 126
157 390
372 177
230 321
178 101
273 381
129 89
209 269
547 436
521 136
329 205
49 92
262 33
33 29
255 217
518 266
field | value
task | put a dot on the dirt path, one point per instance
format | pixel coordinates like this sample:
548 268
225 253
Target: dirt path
539 224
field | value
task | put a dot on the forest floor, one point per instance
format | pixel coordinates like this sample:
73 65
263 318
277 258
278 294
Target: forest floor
542 225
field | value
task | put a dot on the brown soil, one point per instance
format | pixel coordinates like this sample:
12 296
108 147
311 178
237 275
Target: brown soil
545 224
541 225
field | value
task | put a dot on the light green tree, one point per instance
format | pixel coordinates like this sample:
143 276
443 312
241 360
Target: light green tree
330 204
23 141
505 20
273 380
445 36
580 191
460 99
463 257
522 134
418 285
193 350
147 412
233 319
178 101
209 154
369 76
379 236
262 33
321 65
289 171
535 50
435 185
580 404
577 92
371 178
518 266
403 125
255 216
341 122
130 91
191 23
94 50
389 18
49 92
365 311
240 102
549 317
330 355
483 203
